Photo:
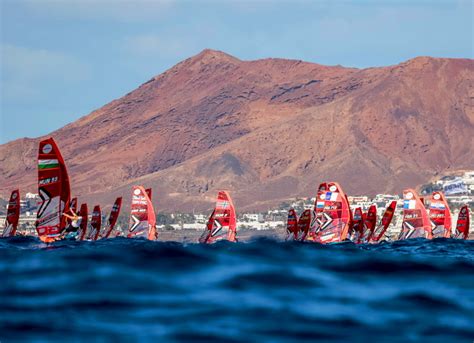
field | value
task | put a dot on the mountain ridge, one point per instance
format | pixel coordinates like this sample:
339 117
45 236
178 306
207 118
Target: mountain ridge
211 105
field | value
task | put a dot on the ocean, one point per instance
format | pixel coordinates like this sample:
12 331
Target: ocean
259 291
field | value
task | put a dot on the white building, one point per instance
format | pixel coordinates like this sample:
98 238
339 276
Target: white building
200 218
253 217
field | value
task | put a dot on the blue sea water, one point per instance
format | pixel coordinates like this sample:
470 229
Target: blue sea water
259 291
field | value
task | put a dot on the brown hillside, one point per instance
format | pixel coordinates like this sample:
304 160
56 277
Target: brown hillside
266 130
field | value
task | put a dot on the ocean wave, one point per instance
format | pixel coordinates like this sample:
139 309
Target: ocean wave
261 290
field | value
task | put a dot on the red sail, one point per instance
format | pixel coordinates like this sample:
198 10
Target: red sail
416 223
292 225
54 191
440 216
142 215
114 214
96 222
370 221
336 215
382 227
462 225
222 224
148 192
357 225
304 224
13 214
83 212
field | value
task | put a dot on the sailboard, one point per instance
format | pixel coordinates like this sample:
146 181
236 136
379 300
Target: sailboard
416 223
82 232
370 220
463 222
292 225
13 215
440 216
96 222
336 215
384 223
222 224
54 192
114 214
142 215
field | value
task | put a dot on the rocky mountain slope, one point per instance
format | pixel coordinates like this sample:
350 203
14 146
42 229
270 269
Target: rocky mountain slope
266 130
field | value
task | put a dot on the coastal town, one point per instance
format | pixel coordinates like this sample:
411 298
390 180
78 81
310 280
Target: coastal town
459 191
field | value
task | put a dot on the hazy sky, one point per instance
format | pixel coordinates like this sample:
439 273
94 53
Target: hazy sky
62 59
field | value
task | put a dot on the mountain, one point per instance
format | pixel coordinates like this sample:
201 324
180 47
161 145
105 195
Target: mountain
267 130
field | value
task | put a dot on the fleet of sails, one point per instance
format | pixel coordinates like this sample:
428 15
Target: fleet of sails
330 221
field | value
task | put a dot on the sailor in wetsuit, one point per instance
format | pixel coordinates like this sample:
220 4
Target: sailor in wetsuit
73 228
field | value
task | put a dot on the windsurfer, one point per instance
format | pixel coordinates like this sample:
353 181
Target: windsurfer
75 222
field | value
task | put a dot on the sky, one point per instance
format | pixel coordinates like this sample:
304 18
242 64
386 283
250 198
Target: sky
62 59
